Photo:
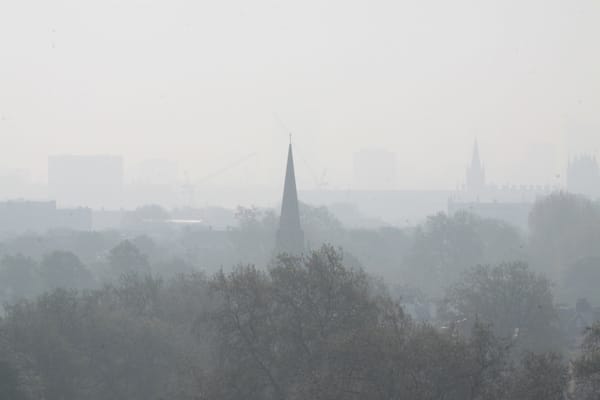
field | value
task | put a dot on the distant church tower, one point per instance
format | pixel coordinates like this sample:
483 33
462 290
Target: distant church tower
475 172
290 238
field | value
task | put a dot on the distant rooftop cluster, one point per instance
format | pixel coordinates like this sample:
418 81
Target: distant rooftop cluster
476 187
19 216
98 182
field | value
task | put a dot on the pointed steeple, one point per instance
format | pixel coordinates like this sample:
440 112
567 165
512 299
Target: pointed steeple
476 161
290 238
475 171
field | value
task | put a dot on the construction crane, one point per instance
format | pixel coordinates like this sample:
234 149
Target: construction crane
320 181
189 189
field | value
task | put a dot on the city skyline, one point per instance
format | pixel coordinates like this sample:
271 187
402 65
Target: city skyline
207 84
162 170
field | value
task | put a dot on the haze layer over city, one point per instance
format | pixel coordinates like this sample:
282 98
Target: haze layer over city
300 200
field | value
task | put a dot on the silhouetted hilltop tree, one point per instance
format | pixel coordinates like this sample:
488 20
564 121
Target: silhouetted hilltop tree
18 380
581 280
444 246
19 278
320 226
172 267
255 240
121 342
539 377
587 365
63 269
147 246
89 247
379 251
125 258
9 382
313 328
516 302
288 331
254 219
563 229
304 328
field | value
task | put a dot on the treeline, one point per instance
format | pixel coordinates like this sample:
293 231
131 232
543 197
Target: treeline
115 315
23 276
561 243
421 261
310 328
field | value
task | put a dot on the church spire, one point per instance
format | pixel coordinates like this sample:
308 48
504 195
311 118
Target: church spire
475 171
290 238
476 161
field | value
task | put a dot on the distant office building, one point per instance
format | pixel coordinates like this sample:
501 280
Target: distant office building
583 176
375 170
40 216
91 181
475 172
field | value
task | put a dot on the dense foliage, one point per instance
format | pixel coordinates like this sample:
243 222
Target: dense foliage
130 315
304 328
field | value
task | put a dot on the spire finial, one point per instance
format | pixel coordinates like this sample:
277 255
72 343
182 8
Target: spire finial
290 138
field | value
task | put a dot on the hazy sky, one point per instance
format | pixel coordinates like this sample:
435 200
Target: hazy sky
209 82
